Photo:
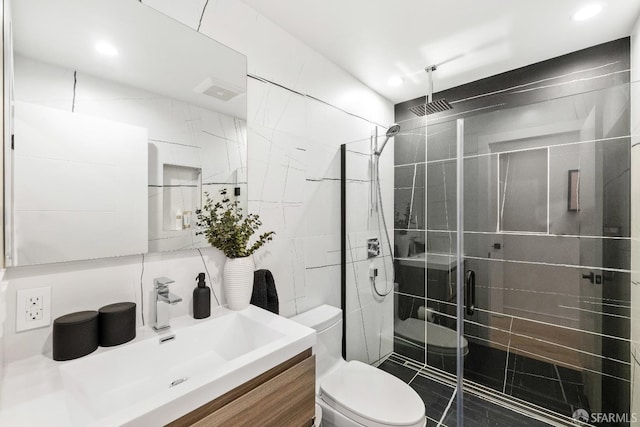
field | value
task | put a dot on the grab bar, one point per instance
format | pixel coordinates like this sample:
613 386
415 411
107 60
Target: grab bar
470 294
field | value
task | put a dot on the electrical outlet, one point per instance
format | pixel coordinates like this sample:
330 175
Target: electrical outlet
33 313
33 308
35 300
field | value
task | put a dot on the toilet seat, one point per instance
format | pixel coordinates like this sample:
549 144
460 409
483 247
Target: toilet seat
372 397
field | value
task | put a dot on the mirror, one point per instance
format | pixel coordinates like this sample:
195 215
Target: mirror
122 119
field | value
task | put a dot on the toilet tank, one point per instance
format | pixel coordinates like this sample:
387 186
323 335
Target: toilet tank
327 321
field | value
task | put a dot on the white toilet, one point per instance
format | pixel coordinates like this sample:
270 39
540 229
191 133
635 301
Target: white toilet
353 394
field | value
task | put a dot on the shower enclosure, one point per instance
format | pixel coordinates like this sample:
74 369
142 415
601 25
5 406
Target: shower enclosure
511 268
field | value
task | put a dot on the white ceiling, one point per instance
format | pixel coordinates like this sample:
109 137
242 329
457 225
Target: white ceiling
471 39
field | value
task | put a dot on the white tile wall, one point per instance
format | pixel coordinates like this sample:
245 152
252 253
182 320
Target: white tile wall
297 163
58 216
89 285
635 221
369 317
293 164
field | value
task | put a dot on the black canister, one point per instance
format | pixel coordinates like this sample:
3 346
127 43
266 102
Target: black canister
117 323
75 335
201 299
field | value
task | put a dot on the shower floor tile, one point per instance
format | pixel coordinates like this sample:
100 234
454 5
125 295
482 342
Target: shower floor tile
544 384
395 368
436 396
486 366
480 413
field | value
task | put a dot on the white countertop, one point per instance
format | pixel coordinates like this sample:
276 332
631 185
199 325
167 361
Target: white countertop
32 391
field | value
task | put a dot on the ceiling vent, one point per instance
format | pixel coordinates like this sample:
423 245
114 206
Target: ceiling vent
218 89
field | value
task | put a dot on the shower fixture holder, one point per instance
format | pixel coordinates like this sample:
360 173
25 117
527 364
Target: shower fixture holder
373 247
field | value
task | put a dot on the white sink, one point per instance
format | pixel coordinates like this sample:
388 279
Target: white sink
149 382
434 261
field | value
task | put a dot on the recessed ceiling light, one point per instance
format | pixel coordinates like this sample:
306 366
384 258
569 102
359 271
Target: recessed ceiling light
394 81
106 49
587 12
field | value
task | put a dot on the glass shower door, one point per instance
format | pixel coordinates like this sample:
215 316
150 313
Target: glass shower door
425 259
536 266
546 234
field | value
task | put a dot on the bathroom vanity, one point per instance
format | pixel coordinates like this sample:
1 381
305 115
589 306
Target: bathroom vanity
249 367
282 396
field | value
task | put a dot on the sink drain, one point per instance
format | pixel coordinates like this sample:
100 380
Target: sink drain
177 382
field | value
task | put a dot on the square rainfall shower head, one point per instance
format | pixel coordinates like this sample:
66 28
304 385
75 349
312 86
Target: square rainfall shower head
431 108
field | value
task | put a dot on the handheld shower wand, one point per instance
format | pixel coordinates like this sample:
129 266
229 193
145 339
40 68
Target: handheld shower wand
392 131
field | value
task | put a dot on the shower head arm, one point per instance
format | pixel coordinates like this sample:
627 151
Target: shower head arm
429 71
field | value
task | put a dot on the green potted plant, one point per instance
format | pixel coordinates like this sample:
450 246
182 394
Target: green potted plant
225 227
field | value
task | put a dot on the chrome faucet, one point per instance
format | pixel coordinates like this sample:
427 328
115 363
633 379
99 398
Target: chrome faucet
164 299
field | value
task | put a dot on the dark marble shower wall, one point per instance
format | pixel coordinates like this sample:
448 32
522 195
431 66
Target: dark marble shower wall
525 130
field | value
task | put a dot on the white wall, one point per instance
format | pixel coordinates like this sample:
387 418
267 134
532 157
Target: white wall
293 182
635 220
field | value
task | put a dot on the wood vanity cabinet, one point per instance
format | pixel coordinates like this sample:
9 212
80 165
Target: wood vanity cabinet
282 396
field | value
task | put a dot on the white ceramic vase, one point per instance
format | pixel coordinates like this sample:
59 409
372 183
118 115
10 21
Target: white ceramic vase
238 282
403 244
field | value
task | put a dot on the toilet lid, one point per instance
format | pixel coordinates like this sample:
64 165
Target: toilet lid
372 397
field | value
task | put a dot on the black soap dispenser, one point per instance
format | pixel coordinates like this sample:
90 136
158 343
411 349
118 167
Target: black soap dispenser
201 299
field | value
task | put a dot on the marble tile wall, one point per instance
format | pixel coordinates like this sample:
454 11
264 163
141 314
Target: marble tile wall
635 220
297 166
294 180
369 315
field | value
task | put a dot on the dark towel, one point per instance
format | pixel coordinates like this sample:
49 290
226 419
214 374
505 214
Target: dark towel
264 291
